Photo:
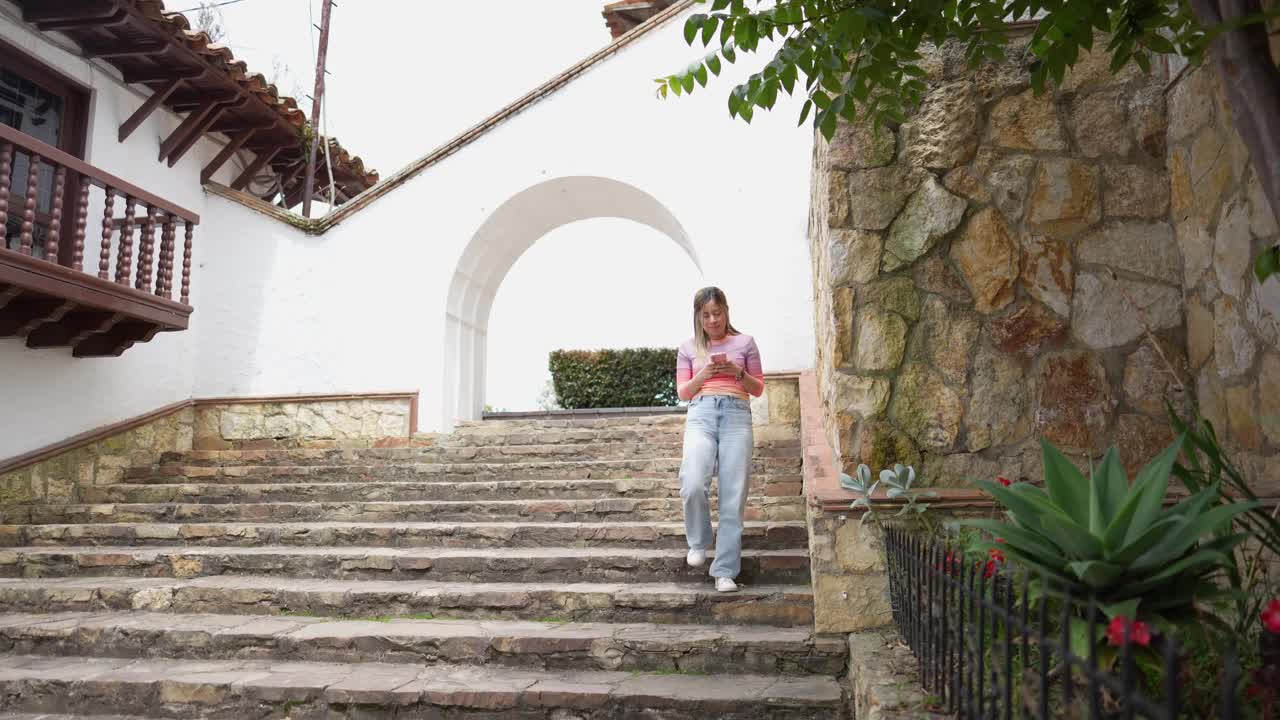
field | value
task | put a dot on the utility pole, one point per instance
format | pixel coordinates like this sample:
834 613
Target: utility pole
309 181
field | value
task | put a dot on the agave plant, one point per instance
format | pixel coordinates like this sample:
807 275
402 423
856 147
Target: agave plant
897 482
1115 540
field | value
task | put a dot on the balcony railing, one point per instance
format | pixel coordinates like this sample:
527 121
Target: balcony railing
46 294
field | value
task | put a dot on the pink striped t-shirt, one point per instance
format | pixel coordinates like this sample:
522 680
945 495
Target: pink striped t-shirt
740 349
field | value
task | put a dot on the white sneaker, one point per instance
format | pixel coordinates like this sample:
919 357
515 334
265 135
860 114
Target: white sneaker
726 585
696 557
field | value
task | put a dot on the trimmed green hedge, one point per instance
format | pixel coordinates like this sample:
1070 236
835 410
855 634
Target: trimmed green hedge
632 377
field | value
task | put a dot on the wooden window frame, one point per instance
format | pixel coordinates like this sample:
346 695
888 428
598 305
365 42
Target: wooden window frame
73 134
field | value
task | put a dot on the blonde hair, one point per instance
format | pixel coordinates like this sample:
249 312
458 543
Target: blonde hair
701 340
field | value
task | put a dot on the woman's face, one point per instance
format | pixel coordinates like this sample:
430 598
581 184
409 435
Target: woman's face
714 319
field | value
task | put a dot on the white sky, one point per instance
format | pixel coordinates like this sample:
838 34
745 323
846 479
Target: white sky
442 67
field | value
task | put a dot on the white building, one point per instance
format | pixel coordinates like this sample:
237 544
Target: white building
392 291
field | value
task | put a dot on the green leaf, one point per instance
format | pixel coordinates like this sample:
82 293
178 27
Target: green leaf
1267 264
692 26
1025 539
1147 495
804 111
709 29
1136 548
1065 484
1197 560
1195 528
1096 573
713 64
1111 486
1144 61
700 74
827 124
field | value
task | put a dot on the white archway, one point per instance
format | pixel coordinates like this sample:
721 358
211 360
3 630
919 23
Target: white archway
507 233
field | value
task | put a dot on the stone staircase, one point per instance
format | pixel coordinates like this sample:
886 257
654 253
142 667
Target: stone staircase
517 569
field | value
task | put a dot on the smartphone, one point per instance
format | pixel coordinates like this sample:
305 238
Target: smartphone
719 358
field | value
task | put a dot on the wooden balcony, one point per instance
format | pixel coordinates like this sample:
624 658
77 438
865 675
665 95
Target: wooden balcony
46 296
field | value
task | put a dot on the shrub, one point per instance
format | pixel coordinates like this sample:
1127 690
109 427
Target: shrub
631 377
1116 541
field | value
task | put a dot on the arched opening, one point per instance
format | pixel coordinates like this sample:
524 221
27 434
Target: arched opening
507 233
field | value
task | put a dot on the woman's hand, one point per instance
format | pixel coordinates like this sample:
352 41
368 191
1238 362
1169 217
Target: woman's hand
730 368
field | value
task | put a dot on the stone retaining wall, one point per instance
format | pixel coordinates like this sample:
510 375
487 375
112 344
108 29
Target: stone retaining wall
58 479
1005 267
327 422
1222 221
213 425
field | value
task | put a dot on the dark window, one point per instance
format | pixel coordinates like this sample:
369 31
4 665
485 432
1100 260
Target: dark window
42 104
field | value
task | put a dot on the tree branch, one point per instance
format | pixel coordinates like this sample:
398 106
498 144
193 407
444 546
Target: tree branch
1251 81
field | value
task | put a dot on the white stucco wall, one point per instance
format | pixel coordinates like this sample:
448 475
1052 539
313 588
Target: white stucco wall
47 395
363 307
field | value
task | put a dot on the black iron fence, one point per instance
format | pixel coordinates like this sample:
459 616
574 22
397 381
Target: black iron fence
994 641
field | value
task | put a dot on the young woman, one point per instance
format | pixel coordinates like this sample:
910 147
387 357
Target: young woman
718 369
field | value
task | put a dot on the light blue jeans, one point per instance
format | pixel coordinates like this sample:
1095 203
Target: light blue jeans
717 431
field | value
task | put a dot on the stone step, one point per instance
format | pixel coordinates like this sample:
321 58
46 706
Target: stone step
583 451
65 716
270 689
781 605
788 468
480 510
399 490
540 564
755 535
548 644
628 421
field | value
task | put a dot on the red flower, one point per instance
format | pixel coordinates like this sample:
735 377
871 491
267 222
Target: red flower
1271 616
1000 540
1139 633
1004 481
950 565
990 570
996 554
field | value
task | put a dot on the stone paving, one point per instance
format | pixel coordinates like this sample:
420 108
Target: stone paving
516 569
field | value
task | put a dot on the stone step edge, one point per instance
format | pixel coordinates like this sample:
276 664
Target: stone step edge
668 602
363 551
333 585
668 482
242 683
214 636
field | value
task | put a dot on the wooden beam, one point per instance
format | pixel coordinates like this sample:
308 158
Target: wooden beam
142 47
254 168
234 125
26 314
119 17
73 328
64 10
148 107
191 124
236 143
115 341
190 140
159 74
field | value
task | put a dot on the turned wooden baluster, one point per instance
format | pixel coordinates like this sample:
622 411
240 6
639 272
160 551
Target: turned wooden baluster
146 249
124 255
82 220
29 210
6 167
164 283
186 263
51 244
105 260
